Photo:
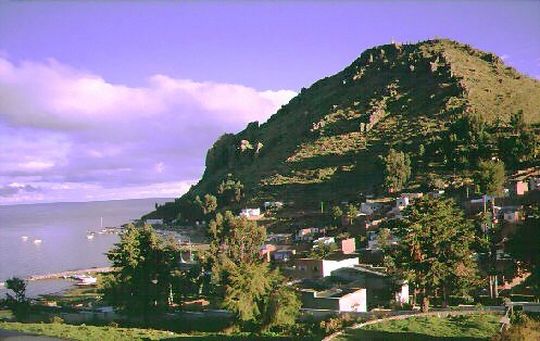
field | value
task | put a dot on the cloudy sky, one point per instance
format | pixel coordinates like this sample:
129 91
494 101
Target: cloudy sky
110 100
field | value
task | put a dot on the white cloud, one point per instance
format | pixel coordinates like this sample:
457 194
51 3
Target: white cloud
62 125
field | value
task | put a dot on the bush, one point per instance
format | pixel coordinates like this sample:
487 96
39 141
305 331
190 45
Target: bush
57 320
523 328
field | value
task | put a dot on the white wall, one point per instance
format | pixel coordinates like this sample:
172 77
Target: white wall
330 265
355 301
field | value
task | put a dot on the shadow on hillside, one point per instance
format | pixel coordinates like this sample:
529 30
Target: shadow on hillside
373 335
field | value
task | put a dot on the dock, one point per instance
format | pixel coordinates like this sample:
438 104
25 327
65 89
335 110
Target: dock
65 274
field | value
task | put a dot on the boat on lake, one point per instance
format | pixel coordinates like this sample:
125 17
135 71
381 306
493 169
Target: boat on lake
24 238
37 241
84 280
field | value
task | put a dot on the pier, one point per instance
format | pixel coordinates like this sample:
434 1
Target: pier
65 274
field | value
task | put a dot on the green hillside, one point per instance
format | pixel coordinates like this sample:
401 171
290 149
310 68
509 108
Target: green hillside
446 104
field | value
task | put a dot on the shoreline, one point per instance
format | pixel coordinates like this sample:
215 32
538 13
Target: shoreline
65 274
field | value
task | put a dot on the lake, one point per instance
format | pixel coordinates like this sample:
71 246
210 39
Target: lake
62 229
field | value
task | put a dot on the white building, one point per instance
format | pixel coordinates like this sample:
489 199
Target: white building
250 212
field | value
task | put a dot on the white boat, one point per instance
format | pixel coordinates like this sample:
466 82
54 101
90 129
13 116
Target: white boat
83 280
37 241
24 238
90 236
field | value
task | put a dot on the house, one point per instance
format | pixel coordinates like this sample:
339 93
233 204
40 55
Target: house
335 299
278 238
436 194
347 246
324 241
412 196
381 288
370 207
308 233
272 205
534 183
402 202
284 255
251 213
520 187
154 221
511 216
266 251
318 268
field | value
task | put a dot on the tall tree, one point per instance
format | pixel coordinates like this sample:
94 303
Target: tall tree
18 303
351 212
144 272
397 170
490 177
250 289
435 249
337 213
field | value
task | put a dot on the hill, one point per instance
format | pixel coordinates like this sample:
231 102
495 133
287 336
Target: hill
445 104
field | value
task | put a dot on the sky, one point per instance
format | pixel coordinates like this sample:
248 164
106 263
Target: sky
113 99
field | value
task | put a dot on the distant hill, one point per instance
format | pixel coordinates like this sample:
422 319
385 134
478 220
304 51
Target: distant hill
444 103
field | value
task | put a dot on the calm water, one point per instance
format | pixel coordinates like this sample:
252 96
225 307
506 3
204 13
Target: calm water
62 227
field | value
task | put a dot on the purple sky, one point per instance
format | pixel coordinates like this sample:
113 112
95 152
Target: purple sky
109 100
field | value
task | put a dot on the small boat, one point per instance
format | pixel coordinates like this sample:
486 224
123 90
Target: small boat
83 280
24 238
90 235
37 241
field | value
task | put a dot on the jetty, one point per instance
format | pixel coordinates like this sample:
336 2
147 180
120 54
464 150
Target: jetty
69 273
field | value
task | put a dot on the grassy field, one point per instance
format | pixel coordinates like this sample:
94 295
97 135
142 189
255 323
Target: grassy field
472 327
94 333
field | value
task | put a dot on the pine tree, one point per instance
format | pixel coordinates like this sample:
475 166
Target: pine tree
435 250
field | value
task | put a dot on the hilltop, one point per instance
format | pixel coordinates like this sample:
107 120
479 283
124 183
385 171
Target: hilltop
445 104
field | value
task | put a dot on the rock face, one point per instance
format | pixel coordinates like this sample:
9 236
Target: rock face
326 143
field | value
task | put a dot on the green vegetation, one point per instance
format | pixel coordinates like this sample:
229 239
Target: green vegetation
466 327
445 105
88 333
257 295
490 177
397 170
523 327
435 251
18 303
525 247
144 280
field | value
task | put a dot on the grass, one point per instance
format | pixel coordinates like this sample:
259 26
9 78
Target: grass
94 333
75 296
82 332
465 327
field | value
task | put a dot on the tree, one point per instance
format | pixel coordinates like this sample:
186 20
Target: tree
435 249
397 170
337 213
524 246
230 190
208 204
321 250
249 288
490 177
384 239
18 303
517 122
144 272
351 212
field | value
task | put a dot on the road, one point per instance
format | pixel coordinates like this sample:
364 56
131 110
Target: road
9 335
